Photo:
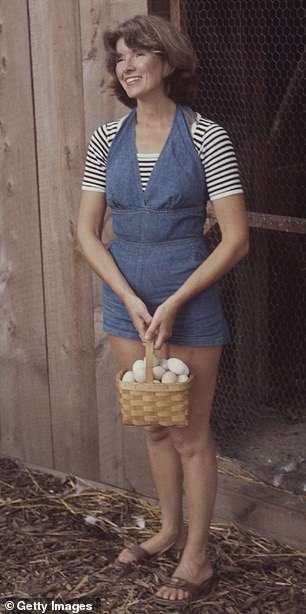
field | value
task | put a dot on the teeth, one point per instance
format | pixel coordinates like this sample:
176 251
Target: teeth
132 80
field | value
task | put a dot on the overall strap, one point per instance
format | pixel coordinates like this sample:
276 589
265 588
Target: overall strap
189 115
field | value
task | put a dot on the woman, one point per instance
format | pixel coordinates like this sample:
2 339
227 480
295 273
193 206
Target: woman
156 168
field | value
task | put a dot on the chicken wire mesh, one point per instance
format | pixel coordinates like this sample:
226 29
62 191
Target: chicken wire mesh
252 62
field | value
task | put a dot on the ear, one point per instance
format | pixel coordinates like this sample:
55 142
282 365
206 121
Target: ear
167 70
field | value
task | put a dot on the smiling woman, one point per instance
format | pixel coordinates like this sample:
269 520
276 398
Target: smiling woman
140 71
156 168
155 35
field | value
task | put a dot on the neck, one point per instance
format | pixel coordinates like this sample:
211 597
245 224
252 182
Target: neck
157 110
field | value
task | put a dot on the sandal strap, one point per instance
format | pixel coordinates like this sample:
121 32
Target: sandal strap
186 585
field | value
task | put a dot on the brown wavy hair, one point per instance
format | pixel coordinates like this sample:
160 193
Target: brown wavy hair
155 34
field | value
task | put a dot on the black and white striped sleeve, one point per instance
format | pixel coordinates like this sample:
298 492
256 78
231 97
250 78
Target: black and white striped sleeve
94 178
219 160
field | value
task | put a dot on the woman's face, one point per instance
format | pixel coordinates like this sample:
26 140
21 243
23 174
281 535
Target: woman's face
139 71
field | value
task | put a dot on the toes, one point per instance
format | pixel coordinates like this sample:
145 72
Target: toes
181 594
172 594
163 592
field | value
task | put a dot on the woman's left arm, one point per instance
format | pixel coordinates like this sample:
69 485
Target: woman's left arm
232 219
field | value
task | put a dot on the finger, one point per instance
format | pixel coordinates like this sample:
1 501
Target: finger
142 328
163 333
160 339
149 335
147 317
151 331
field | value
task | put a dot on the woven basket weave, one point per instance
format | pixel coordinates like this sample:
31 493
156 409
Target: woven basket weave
151 403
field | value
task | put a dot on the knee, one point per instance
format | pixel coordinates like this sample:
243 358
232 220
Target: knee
185 446
189 445
156 434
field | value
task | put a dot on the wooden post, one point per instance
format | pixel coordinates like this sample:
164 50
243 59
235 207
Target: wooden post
24 395
58 96
175 13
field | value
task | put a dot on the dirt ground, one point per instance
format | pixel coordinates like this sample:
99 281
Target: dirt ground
60 538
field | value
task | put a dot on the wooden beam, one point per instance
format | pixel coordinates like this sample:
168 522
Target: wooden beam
253 504
284 223
58 96
175 13
246 502
266 221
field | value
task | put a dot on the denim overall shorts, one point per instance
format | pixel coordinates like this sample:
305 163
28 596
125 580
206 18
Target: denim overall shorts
159 234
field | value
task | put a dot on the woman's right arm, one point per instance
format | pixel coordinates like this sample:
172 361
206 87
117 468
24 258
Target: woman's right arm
90 224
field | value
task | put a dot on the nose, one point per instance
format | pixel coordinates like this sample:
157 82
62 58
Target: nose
129 63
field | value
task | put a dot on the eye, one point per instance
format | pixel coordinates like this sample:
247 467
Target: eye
140 52
118 59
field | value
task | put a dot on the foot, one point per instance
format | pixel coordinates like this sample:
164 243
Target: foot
194 573
161 542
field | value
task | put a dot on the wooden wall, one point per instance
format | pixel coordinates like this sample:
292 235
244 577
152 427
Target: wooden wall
26 429
58 406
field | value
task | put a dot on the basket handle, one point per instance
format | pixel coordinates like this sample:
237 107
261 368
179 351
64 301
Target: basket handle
149 361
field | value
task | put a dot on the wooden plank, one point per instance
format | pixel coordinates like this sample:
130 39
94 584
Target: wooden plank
277 222
117 446
24 395
266 221
252 504
176 14
99 106
112 468
57 82
96 16
244 501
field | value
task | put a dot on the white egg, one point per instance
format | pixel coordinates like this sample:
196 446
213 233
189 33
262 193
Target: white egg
158 372
182 378
155 361
140 375
176 365
156 381
168 378
138 364
164 363
128 377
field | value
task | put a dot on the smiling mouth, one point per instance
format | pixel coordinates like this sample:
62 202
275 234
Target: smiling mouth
132 80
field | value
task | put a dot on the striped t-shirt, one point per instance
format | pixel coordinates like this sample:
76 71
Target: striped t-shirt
211 141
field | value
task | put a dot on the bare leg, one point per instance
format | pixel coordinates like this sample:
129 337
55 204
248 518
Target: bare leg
196 449
167 474
165 464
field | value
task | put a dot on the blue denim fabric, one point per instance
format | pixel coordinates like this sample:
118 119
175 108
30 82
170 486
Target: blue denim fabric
158 234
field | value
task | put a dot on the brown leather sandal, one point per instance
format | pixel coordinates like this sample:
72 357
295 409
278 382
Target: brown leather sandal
193 590
140 553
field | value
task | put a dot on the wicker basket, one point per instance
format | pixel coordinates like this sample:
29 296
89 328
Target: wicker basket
150 403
